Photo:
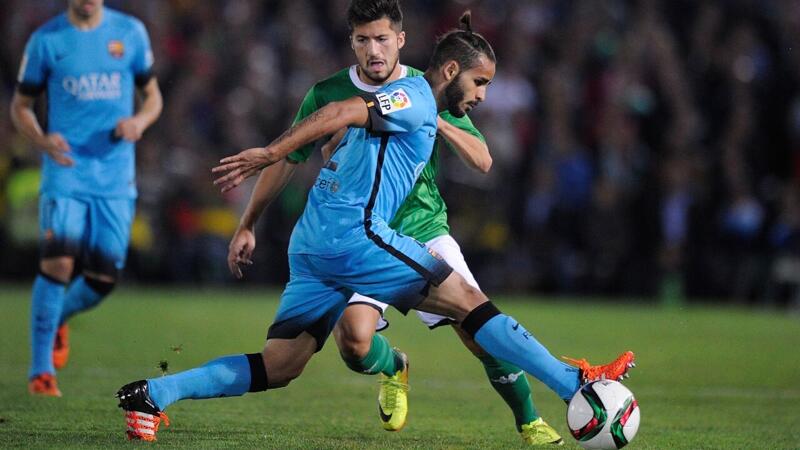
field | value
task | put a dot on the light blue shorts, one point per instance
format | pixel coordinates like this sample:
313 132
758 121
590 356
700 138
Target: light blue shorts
385 265
94 230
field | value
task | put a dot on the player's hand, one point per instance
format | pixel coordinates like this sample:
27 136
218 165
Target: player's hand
57 147
240 250
440 123
130 129
242 166
329 148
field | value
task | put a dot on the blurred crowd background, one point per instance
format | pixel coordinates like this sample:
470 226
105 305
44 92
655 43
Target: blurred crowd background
641 148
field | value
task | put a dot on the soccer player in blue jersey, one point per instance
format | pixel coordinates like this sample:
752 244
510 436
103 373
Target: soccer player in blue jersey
377 37
89 61
343 244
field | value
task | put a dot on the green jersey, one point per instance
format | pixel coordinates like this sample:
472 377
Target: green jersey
423 215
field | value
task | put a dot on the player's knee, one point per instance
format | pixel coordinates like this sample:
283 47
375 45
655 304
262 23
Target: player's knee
58 268
469 298
352 344
353 335
472 295
281 377
283 363
469 342
103 287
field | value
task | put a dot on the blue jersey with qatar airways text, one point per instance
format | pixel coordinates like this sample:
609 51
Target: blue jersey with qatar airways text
362 186
90 78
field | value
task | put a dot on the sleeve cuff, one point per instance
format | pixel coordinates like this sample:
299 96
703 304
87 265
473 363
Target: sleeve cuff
30 89
143 78
375 119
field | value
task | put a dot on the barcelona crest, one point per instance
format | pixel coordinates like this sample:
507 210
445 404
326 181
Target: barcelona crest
116 49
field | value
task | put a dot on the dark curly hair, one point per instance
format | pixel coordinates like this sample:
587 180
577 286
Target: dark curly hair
364 11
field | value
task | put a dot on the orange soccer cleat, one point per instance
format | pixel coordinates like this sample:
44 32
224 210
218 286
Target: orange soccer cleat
44 384
615 370
61 347
142 417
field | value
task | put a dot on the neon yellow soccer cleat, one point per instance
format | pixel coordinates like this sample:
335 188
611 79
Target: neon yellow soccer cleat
393 398
539 432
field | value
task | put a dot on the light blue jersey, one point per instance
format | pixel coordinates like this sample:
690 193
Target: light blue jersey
342 243
90 78
372 171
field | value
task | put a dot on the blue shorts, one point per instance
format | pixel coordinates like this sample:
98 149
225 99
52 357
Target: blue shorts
386 266
94 230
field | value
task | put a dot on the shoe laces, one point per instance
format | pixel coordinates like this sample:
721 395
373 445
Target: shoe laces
164 418
535 429
133 420
530 429
392 388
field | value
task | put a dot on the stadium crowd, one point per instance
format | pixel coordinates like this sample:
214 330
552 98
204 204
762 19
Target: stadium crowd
641 147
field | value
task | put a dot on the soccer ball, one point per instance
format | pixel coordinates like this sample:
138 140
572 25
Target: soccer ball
603 415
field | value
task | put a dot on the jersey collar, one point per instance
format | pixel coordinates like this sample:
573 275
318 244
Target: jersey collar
368 87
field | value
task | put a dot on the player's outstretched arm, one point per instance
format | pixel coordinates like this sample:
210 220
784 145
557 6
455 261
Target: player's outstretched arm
473 151
132 128
325 121
269 184
25 121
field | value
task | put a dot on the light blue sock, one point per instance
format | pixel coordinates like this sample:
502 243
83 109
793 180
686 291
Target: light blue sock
47 301
228 376
79 297
504 338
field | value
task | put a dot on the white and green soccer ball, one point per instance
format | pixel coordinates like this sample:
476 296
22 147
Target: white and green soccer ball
603 415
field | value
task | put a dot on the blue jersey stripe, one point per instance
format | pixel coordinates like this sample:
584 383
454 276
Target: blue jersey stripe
425 273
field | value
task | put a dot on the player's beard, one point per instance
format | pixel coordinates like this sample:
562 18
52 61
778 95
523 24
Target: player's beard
77 7
454 95
380 80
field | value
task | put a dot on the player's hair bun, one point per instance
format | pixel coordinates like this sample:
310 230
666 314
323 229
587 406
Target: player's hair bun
465 22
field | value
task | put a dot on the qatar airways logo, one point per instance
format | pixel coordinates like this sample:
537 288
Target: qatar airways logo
94 86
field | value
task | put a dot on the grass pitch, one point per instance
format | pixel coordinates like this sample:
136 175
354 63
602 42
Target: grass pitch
719 378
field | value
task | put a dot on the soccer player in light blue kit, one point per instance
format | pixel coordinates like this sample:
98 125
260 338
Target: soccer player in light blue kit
89 60
343 244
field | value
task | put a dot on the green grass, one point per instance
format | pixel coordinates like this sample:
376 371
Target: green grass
706 377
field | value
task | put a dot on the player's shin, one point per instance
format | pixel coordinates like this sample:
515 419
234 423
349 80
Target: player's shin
228 376
504 338
46 304
83 294
381 358
510 382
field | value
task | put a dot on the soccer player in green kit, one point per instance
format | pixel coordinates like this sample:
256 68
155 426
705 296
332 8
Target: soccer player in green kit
376 38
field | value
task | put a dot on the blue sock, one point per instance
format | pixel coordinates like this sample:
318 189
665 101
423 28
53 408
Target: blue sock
47 301
80 297
228 376
504 338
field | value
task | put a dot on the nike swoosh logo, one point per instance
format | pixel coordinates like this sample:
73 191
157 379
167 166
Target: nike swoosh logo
515 326
431 134
384 417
